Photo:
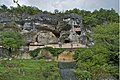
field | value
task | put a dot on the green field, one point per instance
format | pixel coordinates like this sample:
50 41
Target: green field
29 70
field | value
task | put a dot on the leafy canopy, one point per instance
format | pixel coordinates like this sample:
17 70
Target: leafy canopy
100 60
11 40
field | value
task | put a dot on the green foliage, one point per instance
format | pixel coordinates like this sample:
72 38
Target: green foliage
109 36
83 75
34 53
96 17
3 8
11 40
102 58
14 26
21 9
29 70
54 51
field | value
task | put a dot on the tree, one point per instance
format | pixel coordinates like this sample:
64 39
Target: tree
109 36
11 41
56 11
101 60
112 16
97 17
106 16
4 7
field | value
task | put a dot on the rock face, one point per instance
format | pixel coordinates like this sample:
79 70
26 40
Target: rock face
3 53
77 31
67 29
66 56
45 37
24 56
45 54
55 28
27 26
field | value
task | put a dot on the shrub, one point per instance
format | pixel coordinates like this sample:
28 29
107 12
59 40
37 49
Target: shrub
53 51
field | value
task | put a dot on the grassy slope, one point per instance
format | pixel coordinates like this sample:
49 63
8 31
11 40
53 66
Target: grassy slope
28 70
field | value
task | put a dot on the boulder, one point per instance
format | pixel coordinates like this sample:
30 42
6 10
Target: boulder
44 54
45 37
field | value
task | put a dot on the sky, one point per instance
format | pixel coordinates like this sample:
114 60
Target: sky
62 5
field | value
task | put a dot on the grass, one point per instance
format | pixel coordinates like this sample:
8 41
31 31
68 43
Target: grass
29 70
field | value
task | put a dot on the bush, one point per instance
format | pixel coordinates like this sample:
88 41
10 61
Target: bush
34 53
53 51
29 70
102 58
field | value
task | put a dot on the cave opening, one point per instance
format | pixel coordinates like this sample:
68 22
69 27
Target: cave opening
67 41
78 32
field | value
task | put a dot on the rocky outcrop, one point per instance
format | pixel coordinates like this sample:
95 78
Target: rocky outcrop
66 56
45 37
44 54
54 28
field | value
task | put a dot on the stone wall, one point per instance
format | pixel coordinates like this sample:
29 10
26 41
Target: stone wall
66 56
67 45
